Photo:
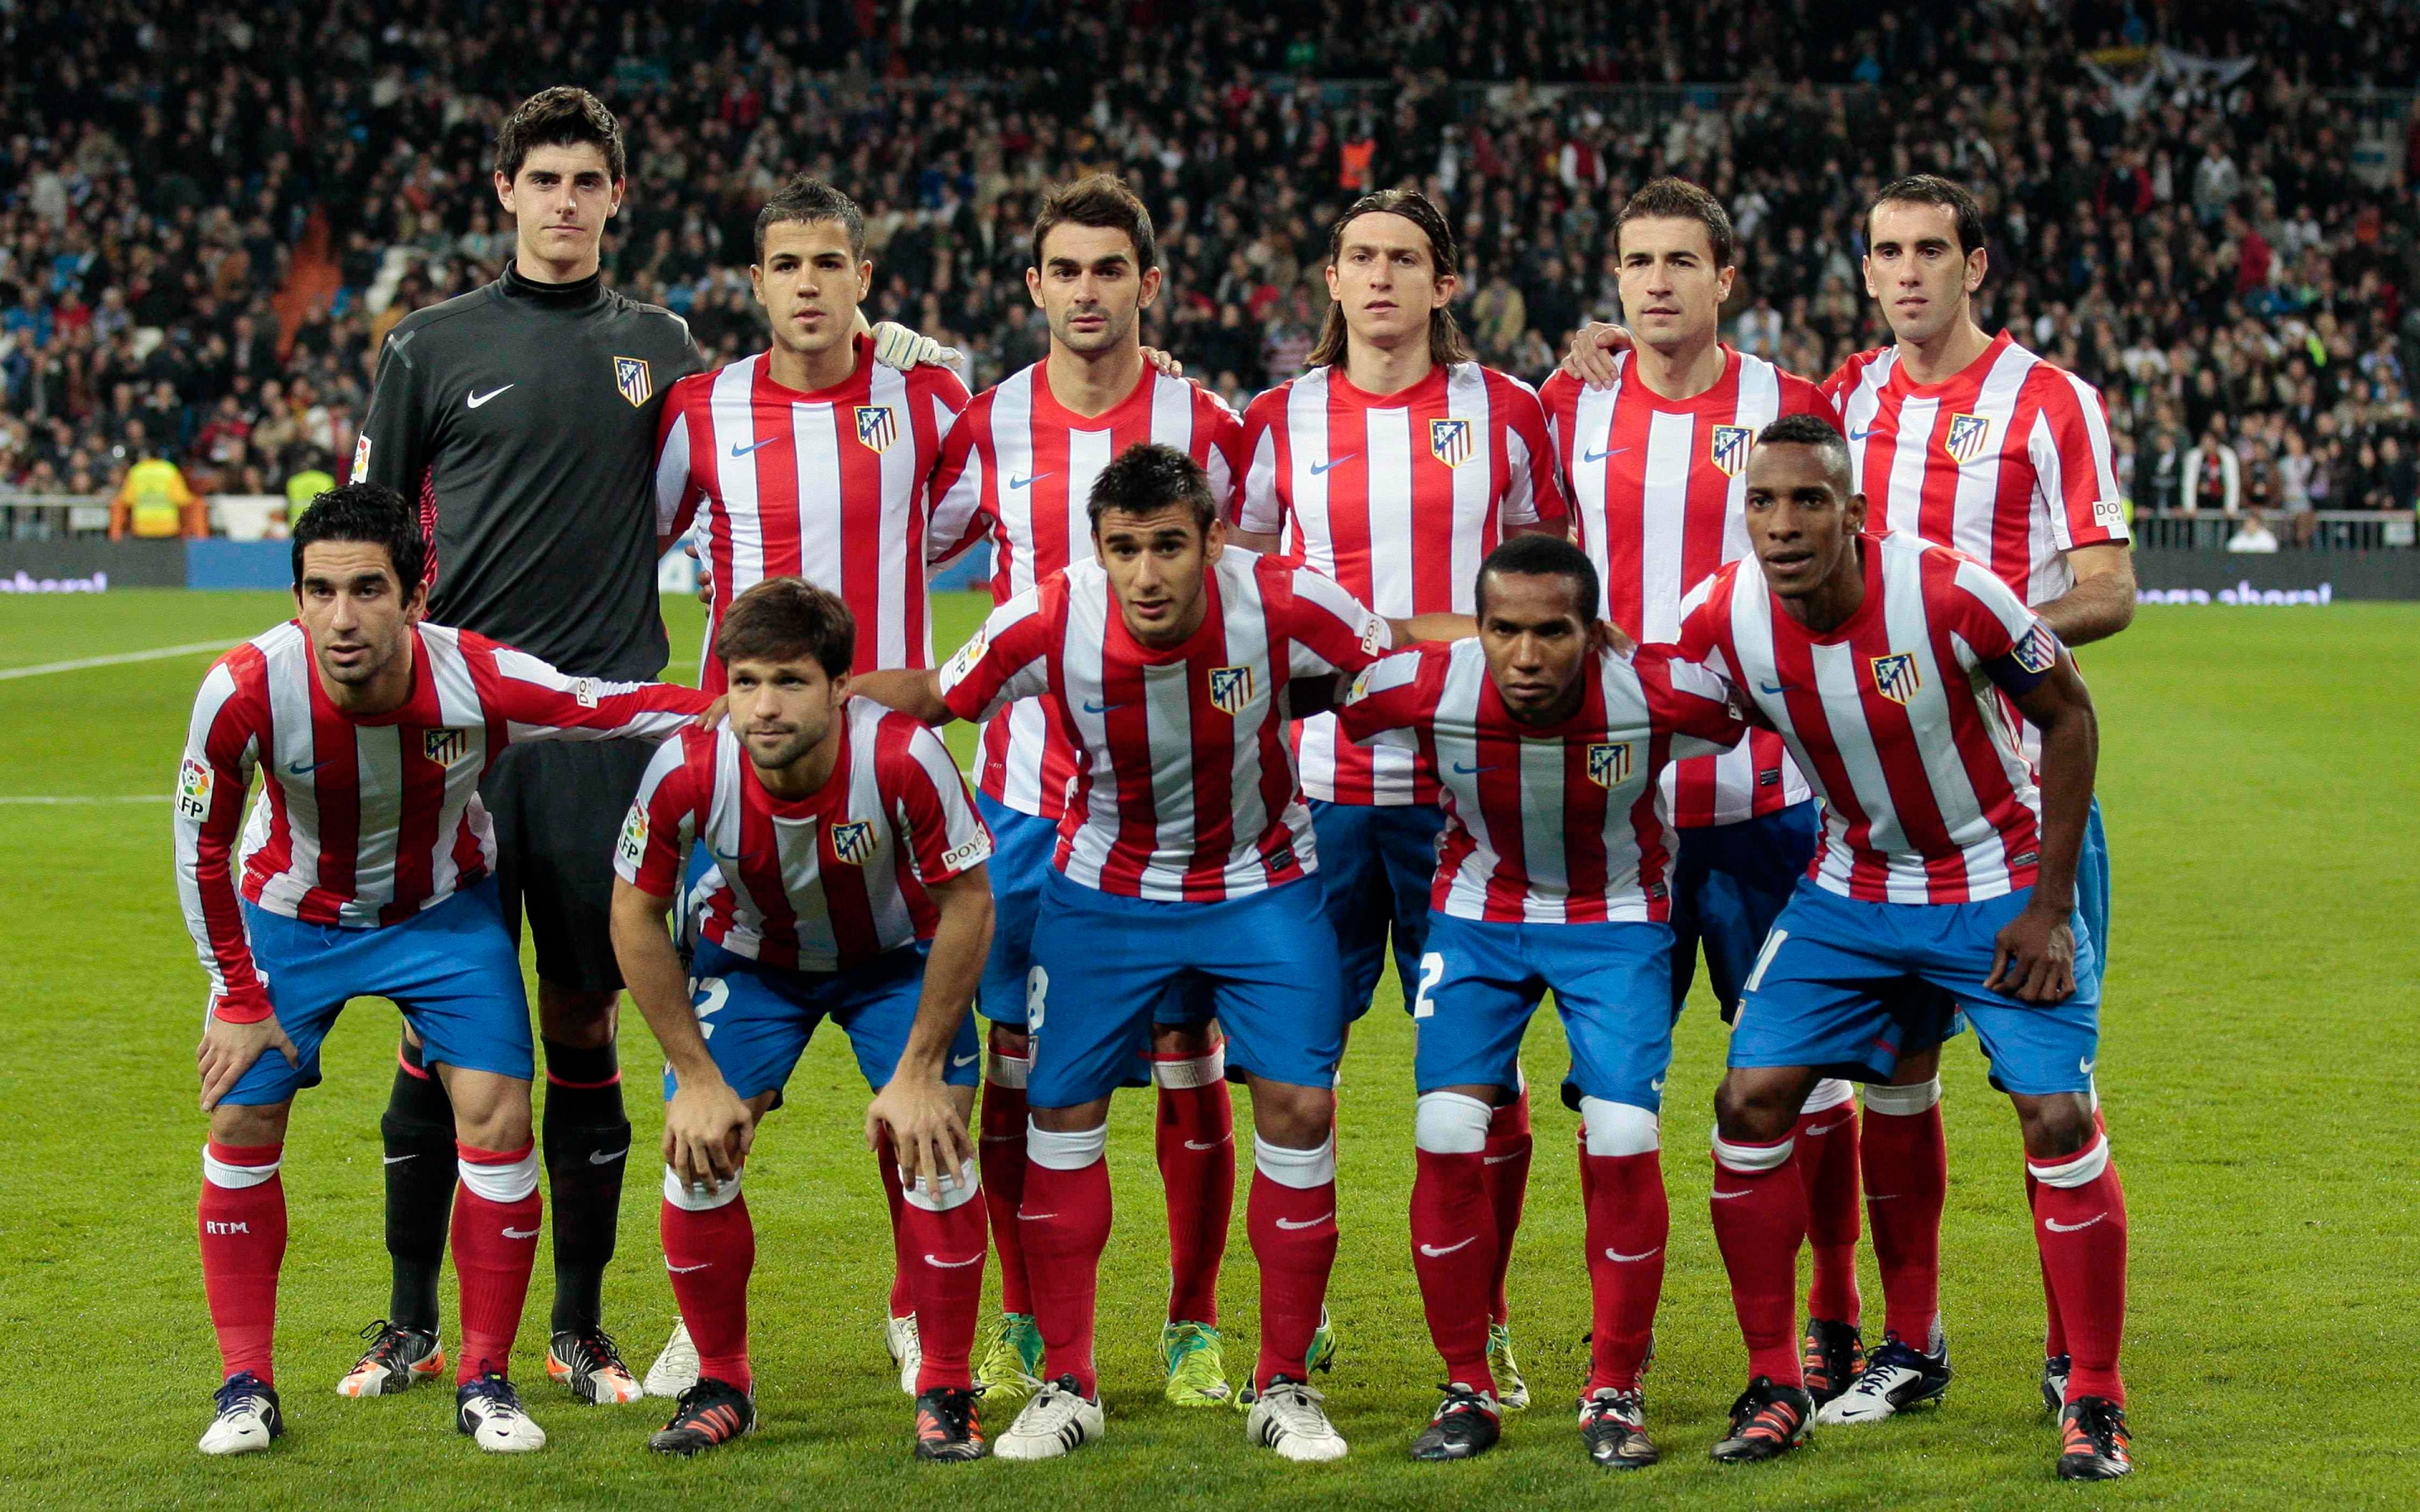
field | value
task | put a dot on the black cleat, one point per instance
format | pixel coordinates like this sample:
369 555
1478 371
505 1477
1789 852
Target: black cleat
588 1361
1467 1424
398 1358
1613 1425
2096 1445
709 1415
946 1427
1767 1422
2053 1384
1830 1358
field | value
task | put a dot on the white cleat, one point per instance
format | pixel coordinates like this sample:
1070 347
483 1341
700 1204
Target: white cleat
676 1368
490 1410
396 1360
1895 1378
907 1348
246 1418
1290 1418
1058 1421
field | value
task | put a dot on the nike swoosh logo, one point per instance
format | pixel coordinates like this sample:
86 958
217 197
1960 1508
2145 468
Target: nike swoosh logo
1319 468
1462 770
2057 1227
2086 1066
1196 1144
1656 1086
737 450
1822 1129
1721 1197
1313 1223
1861 435
478 399
596 1159
684 1270
1498 1159
1771 689
1028 481
521 1233
1882 1196
964 1060
1091 707
1433 1252
299 769
951 1265
397 1160
1632 1260
1023 1216
1599 457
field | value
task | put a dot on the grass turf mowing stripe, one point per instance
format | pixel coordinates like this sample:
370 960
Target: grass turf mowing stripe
120 659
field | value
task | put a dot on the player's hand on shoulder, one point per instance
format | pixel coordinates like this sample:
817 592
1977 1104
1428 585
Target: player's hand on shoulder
2033 956
1165 362
228 1050
707 1133
896 346
1614 638
1593 350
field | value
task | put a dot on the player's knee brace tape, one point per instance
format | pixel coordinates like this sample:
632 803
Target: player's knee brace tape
1752 1160
1903 1102
1829 1093
232 1178
939 1197
2074 1170
1619 1128
1070 1150
698 1199
501 1181
1450 1123
1302 1170
1195 1071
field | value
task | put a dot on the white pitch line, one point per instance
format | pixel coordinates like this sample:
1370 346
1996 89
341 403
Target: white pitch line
108 797
120 659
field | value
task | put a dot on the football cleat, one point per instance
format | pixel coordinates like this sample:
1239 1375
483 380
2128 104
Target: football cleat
1465 1425
490 1410
2095 1444
710 1414
1290 1417
1512 1392
397 1358
587 1360
1896 1377
1613 1425
1195 1359
1767 1422
1830 1358
907 1348
675 1367
1058 1421
1011 1345
946 1427
2054 1384
1320 1356
245 1418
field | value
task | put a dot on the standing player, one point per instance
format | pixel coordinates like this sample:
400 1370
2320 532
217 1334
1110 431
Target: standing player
845 881
1170 665
1018 467
1550 751
1888 664
367 870
1394 465
1656 464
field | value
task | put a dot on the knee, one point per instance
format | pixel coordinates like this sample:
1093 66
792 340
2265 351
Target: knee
1295 1117
246 1126
1189 1040
2055 1126
577 1019
1616 1129
1756 1109
491 1112
1450 1123
1007 1039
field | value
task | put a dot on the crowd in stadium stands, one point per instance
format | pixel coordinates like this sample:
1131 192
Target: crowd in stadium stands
2230 253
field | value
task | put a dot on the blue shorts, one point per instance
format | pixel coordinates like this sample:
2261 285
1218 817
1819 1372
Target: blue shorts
1847 987
1729 883
1480 980
1105 966
452 969
2092 882
757 1019
1021 847
1376 863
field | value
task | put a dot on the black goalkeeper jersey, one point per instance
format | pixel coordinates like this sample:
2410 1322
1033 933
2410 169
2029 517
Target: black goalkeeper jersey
522 418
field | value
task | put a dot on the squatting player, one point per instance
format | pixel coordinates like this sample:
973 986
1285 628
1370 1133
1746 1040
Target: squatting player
1887 664
1394 465
1550 749
845 882
1170 663
1017 466
367 869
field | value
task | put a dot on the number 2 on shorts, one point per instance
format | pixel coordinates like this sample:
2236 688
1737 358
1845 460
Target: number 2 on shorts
1431 967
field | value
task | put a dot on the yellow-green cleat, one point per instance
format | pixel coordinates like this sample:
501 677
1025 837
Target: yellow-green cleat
1196 1361
1512 1392
1010 1346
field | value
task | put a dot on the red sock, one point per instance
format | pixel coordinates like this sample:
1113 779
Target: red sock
1291 1219
2054 1331
2081 1230
1196 1143
1065 1222
1628 1223
945 1245
1827 1165
903 1300
1454 1253
1001 1158
1907 1181
709 1253
496 1211
1760 1210
242 1219
1508 1187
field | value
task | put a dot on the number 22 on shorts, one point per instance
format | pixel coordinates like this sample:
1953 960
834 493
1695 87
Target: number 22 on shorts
1431 968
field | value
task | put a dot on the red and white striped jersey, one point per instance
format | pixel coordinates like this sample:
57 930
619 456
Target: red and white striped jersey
1928 796
1659 489
818 884
826 486
1018 467
2007 461
1186 790
1399 497
1554 823
368 820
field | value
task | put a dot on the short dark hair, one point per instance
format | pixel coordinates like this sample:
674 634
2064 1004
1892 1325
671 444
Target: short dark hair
810 199
367 512
788 619
1104 202
1932 189
1677 199
1543 556
1148 477
1446 345
1804 429
564 115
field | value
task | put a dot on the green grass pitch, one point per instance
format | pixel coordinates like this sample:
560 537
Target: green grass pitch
2259 1067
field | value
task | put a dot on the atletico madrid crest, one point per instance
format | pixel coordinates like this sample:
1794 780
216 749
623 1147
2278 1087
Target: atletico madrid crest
1728 450
1608 763
877 426
1896 677
1968 436
853 841
1450 441
1231 688
445 747
630 375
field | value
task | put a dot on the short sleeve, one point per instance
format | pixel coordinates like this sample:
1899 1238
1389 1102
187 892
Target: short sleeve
1533 493
1690 702
1009 658
939 831
2075 474
1262 508
662 820
1330 630
1392 696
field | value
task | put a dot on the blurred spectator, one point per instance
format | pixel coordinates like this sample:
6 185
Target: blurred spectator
153 503
2212 473
2253 535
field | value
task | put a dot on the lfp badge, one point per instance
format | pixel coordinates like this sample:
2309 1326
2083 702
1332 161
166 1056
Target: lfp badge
877 426
630 375
1728 450
1896 677
1450 441
1608 763
1968 436
1231 688
853 841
